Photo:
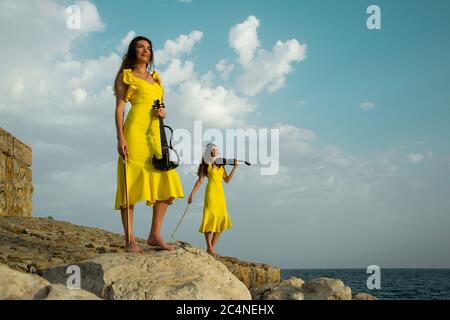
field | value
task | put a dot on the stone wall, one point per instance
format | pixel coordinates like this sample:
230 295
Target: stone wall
16 188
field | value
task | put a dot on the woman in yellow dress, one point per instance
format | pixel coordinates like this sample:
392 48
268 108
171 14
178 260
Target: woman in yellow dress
215 213
139 139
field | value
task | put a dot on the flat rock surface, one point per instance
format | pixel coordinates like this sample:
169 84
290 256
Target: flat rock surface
185 272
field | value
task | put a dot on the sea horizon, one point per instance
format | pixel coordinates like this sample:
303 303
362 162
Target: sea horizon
395 283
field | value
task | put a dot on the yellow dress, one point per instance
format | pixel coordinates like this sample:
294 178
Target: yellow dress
141 131
215 213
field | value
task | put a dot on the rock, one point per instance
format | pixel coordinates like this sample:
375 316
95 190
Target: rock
250 273
185 272
326 289
290 289
16 285
101 250
46 242
296 289
295 282
60 292
364 296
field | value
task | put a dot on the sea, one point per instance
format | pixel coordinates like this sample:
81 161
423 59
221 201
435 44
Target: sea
395 284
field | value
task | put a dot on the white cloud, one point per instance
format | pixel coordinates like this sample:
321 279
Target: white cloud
216 106
262 69
31 20
301 103
295 140
177 72
183 44
243 38
17 88
123 46
268 71
418 157
415 157
196 96
79 95
90 18
224 68
367 105
93 72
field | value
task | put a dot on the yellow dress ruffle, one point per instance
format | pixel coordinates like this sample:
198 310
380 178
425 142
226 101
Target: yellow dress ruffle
215 213
141 131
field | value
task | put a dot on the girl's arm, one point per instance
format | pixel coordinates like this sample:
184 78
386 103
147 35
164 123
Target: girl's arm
197 185
226 177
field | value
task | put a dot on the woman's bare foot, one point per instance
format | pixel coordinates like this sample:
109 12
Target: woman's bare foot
132 247
159 242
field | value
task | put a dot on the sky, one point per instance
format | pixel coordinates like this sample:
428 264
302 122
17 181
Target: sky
364 157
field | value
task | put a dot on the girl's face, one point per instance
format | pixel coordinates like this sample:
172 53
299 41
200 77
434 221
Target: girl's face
214 152
143 51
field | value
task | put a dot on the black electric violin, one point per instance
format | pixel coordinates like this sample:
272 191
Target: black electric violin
164 164
223 161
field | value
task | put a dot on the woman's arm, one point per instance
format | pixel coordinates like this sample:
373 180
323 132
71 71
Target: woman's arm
197 185
120 90
226 177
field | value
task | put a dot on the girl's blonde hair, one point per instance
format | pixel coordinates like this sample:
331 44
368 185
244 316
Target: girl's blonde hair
203 167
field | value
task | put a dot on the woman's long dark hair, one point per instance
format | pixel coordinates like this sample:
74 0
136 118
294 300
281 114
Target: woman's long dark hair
129 59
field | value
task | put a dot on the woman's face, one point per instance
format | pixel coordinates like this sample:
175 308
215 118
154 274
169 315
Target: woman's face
143 51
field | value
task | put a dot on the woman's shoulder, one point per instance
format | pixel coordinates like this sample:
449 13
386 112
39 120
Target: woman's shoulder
156 76
126 71
127 76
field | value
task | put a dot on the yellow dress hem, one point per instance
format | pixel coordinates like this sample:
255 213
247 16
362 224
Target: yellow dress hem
146 184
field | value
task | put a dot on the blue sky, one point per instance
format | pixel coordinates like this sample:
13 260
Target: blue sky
357 186
403 68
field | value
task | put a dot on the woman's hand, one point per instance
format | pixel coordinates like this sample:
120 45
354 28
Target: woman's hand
190 198
122 147
235 164
161 113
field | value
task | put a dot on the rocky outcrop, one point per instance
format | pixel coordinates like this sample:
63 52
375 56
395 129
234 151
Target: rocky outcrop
16 186
317 289
47 247
290 289
183 273
250 273
16 285
326 289
34 244
363 296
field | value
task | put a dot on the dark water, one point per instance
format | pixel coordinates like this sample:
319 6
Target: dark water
409 284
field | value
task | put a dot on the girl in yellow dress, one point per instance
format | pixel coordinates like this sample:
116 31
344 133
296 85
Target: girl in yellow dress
139 139
215 213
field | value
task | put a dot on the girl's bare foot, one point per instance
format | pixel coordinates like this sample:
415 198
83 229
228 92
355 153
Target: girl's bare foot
132 247
159 242
212 252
